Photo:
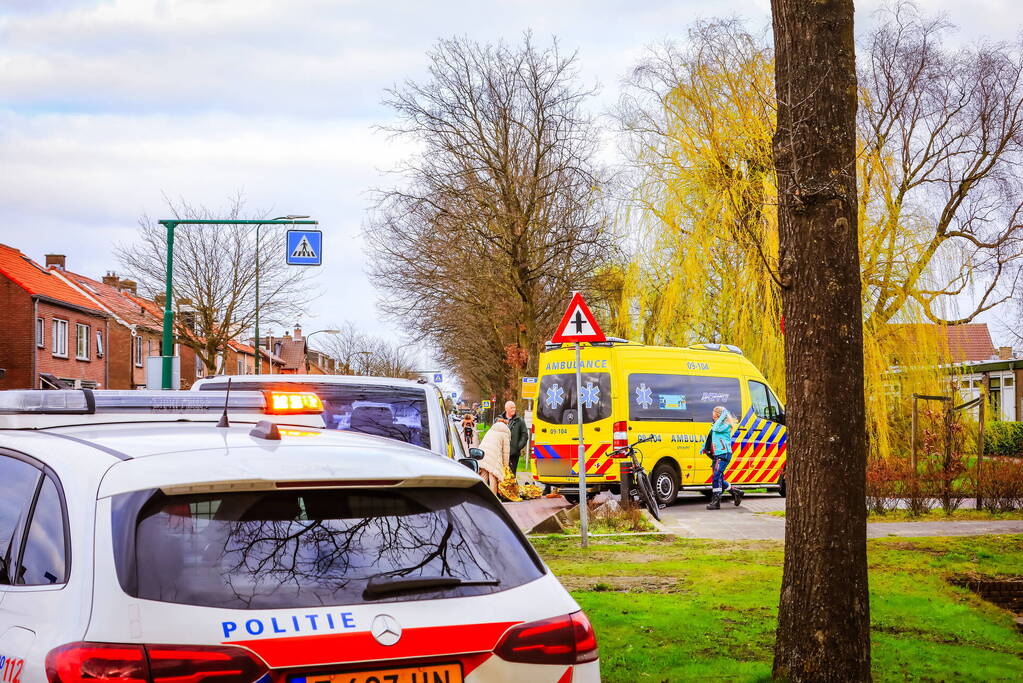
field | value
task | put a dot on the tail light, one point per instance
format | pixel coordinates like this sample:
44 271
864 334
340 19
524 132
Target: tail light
620 436
568 639
292 403
99 662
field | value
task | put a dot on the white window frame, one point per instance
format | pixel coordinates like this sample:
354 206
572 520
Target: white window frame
241 365
41 333
136 351
82 332
99 343
60 331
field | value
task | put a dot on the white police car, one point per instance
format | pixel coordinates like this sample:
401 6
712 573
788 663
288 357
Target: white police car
139 543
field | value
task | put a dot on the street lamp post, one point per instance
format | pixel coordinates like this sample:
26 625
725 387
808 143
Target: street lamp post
259 358
324 331
167 348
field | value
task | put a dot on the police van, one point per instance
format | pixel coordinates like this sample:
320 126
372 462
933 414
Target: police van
632 390
169 537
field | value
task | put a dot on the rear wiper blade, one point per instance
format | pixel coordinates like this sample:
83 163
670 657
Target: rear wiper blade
378 586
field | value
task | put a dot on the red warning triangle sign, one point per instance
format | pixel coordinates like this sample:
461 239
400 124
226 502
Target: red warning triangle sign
578 324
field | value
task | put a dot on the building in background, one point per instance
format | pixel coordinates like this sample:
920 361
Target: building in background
135 331
54 337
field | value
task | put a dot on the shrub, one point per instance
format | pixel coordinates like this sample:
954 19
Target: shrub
1001 485
885 478
1003 438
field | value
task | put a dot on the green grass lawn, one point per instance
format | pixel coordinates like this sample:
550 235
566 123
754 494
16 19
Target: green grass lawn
668 609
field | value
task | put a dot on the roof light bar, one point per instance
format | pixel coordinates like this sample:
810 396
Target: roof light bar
89 402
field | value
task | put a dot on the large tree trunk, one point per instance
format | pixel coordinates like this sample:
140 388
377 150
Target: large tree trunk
823 617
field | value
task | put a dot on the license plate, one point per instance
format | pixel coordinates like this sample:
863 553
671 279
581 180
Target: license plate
439 673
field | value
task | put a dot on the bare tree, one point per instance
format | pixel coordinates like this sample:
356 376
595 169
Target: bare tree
502 213
823 616
943 142
359 353
215 276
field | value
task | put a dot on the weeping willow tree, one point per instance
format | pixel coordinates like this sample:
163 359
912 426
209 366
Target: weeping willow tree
940 133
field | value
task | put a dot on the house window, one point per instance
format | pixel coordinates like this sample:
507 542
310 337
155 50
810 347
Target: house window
39 333
81 341
99 343
241 365
199 365
60 338
136 352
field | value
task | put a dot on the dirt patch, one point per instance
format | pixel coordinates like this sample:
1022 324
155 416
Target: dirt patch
625 584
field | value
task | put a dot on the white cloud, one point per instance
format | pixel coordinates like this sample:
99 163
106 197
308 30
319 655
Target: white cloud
107 104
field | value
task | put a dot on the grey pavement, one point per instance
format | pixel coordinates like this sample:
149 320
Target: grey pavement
690 518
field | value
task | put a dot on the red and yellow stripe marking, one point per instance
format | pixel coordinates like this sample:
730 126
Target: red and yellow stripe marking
598 463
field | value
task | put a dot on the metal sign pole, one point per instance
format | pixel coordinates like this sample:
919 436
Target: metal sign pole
583 506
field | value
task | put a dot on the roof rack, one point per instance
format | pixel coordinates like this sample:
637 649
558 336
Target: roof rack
727 348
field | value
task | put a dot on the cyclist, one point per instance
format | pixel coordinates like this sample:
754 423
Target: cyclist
720 439
469 428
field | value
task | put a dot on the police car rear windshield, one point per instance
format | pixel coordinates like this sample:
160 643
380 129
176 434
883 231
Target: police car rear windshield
308 548
395 412
557 398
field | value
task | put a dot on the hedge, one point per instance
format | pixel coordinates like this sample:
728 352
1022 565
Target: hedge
1003 438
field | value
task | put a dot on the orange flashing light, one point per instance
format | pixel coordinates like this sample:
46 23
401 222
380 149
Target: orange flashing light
292 403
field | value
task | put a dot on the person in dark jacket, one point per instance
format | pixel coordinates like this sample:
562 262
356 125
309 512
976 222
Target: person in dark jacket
519 435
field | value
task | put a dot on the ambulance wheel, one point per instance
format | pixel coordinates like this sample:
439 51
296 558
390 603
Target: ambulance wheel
781 486
665 483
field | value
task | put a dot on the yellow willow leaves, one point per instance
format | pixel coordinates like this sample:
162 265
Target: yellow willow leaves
706 204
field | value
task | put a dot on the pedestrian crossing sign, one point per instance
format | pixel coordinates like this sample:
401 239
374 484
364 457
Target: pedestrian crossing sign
304 248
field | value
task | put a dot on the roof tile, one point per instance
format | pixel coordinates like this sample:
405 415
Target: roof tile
36 280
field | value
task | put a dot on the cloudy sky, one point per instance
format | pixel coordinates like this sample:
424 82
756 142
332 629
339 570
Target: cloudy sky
108 105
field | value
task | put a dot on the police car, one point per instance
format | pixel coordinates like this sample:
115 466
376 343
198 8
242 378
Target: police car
146 537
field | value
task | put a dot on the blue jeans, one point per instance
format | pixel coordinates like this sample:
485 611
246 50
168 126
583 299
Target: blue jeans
720 465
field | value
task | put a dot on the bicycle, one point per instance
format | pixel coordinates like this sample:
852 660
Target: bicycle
643 491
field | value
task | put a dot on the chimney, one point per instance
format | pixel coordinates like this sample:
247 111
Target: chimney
129 286
1004 352
56 260
298 333
160 299
110 278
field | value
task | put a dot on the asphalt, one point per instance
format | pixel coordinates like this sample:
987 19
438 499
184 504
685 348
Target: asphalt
690 518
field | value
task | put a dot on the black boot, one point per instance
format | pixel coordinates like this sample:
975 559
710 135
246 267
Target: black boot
715 502
737 495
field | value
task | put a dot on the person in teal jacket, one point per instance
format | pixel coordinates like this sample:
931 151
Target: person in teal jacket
720 447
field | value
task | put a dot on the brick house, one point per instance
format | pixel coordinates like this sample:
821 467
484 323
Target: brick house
976 365
299 359
135 331
55 337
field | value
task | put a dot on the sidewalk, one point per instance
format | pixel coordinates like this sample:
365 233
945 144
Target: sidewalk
689 518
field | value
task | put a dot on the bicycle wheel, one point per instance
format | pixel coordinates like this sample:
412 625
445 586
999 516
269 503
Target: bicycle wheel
647 493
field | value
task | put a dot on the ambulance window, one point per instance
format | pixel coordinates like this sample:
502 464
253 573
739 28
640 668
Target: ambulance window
557 403
763 402
43 560
18 484
681 398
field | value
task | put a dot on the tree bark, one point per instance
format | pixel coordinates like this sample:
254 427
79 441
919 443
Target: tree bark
823 617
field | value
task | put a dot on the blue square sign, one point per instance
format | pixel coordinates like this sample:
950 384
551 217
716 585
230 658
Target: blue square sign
304 248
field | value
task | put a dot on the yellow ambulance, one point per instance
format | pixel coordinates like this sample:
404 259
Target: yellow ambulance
631 390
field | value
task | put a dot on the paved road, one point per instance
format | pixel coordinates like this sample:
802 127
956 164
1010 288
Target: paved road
689 517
